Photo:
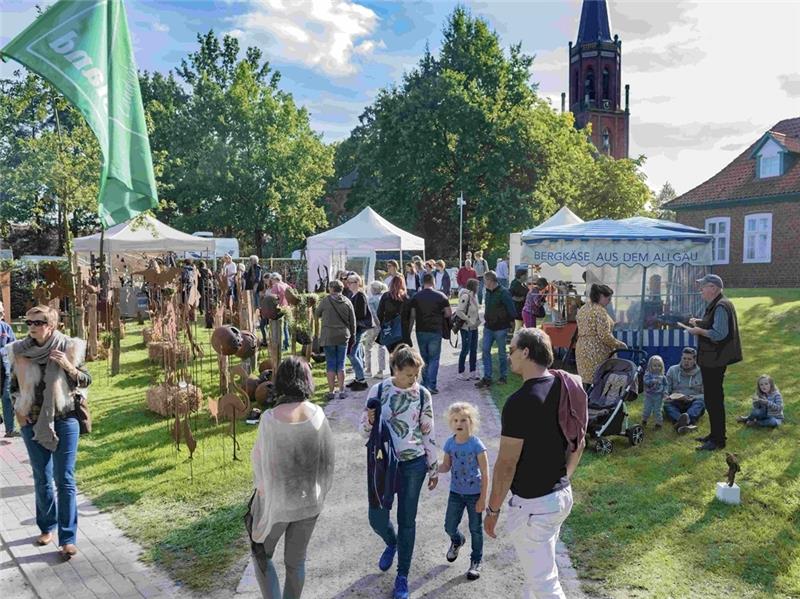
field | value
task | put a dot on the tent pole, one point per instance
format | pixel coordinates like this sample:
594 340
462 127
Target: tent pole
641 317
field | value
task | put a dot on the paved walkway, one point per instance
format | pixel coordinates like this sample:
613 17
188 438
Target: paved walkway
106 567
343 554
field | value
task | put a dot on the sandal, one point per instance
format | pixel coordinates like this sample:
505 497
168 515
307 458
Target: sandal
69 551
44 539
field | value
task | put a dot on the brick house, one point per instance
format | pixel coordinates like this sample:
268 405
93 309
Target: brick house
752 208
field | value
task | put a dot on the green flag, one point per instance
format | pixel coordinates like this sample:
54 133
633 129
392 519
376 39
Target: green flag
84 49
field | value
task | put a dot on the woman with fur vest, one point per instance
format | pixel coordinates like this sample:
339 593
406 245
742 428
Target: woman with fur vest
46 375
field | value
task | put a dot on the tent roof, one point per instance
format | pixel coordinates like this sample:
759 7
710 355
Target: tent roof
367 230
152 236
564 216
636 228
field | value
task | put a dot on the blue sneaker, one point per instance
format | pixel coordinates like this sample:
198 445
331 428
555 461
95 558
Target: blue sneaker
387 557
400 588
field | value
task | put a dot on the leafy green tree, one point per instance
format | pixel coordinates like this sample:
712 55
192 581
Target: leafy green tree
242 158
49 158
469 120
666 194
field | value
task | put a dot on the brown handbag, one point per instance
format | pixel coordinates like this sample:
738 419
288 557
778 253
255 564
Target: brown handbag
82 414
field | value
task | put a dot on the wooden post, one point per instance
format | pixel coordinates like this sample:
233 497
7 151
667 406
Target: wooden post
115 336
224 377
92 338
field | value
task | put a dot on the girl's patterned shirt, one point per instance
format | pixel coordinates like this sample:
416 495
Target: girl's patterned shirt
411 428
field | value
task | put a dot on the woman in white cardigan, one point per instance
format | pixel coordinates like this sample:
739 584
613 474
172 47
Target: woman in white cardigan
292 472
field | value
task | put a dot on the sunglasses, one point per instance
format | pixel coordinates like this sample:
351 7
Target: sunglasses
37 323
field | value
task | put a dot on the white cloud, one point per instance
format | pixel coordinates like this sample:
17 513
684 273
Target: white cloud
322 34
160 27
707 79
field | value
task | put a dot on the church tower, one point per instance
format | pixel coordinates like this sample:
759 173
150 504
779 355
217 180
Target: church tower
595 81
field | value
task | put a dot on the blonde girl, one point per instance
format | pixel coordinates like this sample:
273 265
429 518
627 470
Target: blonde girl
655 391
466 458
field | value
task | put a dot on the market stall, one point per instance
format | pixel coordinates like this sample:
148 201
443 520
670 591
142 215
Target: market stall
650 264
353 246
552 272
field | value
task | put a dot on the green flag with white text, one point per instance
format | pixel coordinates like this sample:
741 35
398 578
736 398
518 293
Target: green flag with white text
83 48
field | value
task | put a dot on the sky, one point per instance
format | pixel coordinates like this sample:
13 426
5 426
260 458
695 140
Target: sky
707 77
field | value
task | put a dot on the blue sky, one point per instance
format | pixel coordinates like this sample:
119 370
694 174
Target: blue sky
707 77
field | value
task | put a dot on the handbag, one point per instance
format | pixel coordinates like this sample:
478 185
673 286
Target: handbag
457 323
391 332
82 415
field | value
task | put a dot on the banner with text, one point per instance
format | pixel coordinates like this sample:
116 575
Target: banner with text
630 253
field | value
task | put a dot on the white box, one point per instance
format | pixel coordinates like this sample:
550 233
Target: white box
731 495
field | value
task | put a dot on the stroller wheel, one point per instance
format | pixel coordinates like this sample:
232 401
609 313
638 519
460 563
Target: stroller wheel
603 446
635 435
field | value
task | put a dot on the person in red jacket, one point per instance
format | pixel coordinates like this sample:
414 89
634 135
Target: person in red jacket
465 273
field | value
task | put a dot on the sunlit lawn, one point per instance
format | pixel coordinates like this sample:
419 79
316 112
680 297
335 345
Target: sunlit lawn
645 521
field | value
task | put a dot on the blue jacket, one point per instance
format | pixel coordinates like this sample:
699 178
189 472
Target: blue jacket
6 336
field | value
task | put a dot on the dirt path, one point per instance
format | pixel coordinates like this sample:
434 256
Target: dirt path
343 554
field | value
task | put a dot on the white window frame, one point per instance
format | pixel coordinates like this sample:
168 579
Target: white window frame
746 241
775 161
716 221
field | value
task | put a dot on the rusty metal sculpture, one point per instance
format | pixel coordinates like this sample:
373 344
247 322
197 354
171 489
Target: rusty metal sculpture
733 467
235 405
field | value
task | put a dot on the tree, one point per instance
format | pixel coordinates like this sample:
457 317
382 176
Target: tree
242 158
49 158
658 200
469 120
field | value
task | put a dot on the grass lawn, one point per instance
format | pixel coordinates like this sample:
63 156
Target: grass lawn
645 521
187 515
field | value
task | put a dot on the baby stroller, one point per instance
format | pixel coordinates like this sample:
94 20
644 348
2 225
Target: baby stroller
616 381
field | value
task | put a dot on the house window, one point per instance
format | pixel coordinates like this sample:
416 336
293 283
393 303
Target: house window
758 237
720 230
769 166
606 80
588 87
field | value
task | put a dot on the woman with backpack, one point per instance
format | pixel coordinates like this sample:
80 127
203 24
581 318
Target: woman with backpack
468 311
407 411
394 309
293 461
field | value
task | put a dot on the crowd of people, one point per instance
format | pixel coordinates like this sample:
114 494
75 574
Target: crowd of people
543 424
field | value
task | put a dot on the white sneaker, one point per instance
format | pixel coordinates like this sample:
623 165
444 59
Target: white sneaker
379 374
367 375
476 376
342 394
463 376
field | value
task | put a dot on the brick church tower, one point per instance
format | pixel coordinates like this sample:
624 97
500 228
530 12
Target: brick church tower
595 81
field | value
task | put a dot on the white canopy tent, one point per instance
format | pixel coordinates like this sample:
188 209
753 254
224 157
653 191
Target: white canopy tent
353 246
128 245
552 272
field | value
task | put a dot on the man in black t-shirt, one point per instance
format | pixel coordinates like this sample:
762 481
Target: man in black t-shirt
430 309
535 462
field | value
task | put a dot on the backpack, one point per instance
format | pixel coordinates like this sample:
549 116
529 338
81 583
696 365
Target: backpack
382 460
187 279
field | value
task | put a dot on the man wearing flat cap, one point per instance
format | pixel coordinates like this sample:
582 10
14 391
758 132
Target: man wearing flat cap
718 346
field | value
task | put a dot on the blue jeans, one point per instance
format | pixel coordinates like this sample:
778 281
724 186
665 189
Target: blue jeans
296 535
8 408
262 324
285 334
469 345
503 283
411 476
490 337
58 465
334 357
430 348
761 418
481 288
674 409
652 406
456 504
356 356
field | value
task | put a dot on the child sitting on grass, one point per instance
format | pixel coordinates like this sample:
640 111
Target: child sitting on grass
466 458
767 405
655 390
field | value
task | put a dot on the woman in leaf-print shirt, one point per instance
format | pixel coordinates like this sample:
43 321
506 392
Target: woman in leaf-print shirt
407 410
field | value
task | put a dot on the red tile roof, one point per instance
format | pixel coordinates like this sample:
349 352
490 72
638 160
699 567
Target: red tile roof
738 179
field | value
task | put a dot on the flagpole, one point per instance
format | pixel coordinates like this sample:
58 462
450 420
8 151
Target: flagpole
67 231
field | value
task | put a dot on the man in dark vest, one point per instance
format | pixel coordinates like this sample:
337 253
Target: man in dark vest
718 346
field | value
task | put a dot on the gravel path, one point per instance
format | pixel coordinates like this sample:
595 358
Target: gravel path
343 554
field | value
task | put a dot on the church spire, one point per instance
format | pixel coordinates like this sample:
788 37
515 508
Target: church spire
595 26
